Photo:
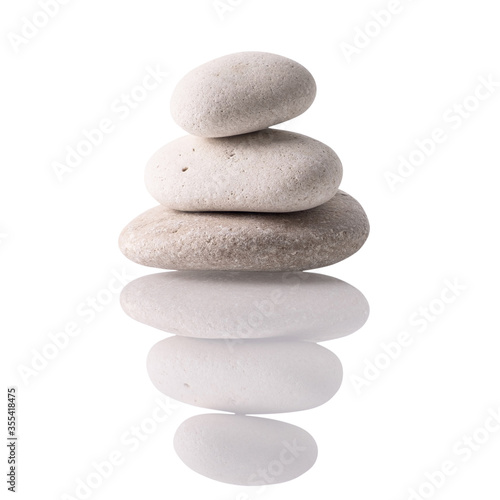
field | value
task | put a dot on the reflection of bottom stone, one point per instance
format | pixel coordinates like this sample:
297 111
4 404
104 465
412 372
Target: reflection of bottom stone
244 450
222 305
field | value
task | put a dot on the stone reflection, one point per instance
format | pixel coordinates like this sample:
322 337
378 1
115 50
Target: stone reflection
239 304
245 343
244 450
255 376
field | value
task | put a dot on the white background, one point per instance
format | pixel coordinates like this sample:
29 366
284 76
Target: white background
58 243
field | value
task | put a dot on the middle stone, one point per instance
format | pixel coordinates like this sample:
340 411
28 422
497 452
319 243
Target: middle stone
266 171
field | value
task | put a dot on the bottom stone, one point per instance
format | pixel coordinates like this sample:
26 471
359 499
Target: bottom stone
235 241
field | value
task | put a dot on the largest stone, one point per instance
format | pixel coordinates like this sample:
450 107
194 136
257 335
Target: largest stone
235 241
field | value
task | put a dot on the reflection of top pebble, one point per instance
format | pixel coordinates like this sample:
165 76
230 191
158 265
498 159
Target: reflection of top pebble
241 93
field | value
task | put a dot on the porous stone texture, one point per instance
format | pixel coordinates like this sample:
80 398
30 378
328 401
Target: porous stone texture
245 376
248 451
266 171
241 93
240 304
235 241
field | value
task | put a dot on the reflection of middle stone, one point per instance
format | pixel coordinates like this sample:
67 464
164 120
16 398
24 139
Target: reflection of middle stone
245 376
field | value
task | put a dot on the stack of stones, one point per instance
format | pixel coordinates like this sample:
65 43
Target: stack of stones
243 207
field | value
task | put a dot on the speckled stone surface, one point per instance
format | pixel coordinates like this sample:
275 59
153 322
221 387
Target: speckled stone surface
241 93
266 171
233 241
245 376
240 304
247 451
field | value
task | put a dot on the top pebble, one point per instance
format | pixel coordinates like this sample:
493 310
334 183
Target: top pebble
241 93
